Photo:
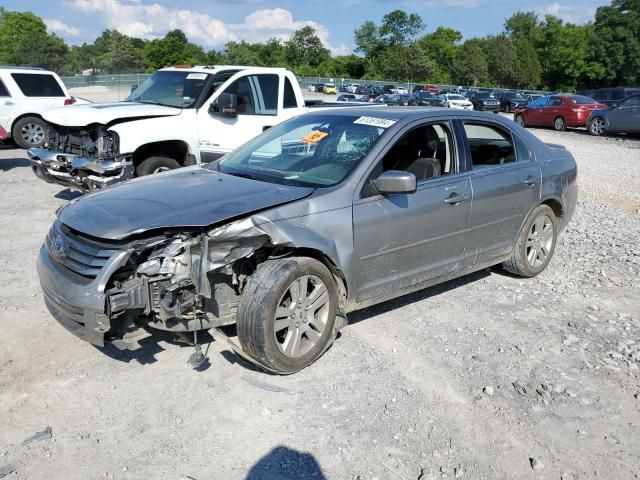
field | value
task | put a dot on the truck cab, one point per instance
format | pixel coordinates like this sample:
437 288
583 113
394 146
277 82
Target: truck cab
179 116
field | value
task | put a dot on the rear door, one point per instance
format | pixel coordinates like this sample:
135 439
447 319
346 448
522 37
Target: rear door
41 91
552 110
506 181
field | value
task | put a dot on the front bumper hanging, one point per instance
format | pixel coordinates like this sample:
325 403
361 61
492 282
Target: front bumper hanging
78 172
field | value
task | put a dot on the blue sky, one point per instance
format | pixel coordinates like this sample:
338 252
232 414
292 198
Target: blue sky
212 23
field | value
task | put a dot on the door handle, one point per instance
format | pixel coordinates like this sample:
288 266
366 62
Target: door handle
454 199
8 102
531 181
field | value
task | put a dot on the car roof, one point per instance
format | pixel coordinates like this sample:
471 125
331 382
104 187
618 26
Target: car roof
26 69
214 68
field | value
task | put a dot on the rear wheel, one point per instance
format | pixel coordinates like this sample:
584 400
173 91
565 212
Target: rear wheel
535 244
559 124
520 120
597 126
29 132
153 165
287 313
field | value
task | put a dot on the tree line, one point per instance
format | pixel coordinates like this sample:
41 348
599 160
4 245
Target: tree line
531 52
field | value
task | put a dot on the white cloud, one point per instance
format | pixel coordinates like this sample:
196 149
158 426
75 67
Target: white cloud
56 26
150 21
577 15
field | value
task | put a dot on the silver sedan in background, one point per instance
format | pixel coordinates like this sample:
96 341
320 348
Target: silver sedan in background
324 214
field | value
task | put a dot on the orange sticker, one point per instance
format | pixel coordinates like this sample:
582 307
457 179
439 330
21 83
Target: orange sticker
314 137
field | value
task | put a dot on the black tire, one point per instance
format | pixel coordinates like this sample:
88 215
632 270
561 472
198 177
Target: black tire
155 165
520 263
265 291
559 124
29 132
520 120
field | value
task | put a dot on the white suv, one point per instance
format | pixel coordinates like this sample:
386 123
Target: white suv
26 93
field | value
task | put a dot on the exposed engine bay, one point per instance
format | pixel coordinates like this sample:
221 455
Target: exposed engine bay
92 141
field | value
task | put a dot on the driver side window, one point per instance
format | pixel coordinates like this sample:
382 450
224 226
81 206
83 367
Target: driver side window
426 151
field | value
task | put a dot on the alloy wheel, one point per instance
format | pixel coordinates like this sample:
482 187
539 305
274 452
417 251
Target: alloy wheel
558 123
597 126
161 169
301 316
32 133
540 241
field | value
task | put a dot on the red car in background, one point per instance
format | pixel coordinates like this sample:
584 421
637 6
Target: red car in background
427 88
558 111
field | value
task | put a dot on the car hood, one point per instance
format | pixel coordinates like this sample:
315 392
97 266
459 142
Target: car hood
105 113
191 197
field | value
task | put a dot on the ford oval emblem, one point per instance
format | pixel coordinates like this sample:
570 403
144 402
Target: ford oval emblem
58 246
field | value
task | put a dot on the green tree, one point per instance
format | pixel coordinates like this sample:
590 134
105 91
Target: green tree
442 46
400 28
616 42
502 60
172 49
470 65
367 40
24 41
528 69
305 48
523 24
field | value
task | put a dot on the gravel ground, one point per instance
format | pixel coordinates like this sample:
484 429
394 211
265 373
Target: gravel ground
484 377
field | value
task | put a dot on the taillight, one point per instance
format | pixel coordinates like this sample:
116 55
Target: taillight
69 101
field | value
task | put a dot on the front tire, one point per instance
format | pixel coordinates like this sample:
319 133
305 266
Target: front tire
287 313
153 165
559 125
597 127
535 244
29 132
520 120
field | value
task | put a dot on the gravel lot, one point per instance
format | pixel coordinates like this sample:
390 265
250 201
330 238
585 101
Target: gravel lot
485 377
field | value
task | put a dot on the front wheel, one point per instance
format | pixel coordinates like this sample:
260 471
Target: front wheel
153 165
535 244
287 313
597 127
559 124
520 120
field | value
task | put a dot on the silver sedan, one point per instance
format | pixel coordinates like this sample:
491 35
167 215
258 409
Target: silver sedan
324 214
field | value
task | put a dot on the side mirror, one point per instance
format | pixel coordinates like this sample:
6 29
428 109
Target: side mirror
395 181
133 87
226 105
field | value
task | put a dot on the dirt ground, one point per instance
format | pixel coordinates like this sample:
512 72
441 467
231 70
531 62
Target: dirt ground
485 377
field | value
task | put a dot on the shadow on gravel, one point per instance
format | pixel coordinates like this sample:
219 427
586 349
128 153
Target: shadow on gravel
68 194
414 297
283 463
7 164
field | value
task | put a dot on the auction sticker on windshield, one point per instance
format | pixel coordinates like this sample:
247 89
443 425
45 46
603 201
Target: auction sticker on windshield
314 137
197 76
375 122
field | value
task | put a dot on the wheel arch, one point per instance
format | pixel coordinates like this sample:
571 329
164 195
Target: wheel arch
338 274
179 150
19 117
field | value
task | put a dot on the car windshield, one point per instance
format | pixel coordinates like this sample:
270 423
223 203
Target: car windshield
307 151
170 88
485 95
580 100
456 97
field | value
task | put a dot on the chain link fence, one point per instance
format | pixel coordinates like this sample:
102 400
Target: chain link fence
124 82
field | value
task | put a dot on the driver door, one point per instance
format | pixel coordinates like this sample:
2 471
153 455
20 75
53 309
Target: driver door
405 239
626 116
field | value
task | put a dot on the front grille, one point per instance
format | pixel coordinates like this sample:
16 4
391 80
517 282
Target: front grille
76 253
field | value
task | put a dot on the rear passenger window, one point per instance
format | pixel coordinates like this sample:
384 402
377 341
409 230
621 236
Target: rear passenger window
490 146
289 95
3 90
38 85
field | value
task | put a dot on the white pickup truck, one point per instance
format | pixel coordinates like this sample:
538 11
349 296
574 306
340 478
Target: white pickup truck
179 116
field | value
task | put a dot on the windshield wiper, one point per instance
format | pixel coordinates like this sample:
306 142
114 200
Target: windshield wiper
155 102
242 175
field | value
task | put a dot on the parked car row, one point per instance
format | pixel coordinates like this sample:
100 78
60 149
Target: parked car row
561 111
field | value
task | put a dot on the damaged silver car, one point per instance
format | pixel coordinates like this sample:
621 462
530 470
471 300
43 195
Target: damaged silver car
324 214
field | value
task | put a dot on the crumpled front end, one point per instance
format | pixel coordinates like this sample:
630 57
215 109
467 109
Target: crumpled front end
83 158
111 292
